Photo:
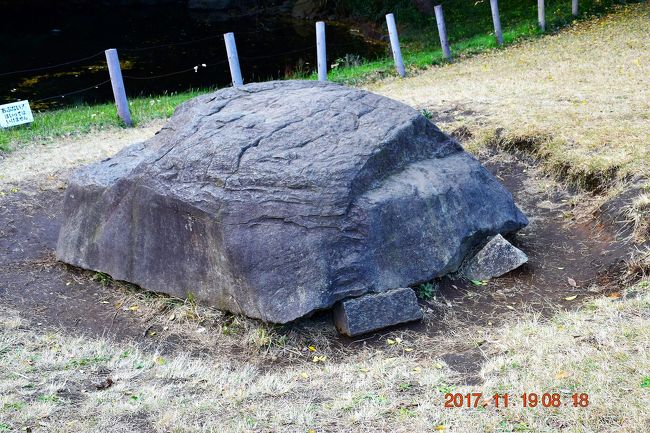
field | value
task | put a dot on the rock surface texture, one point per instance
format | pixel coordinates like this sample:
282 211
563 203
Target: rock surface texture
375 311
281 198
496 258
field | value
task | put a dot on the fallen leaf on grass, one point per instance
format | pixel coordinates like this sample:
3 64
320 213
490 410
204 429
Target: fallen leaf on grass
439 427
572 282
319 358
304 375
510 307
479 282
615 295
312 349
562 374
570 298
134 307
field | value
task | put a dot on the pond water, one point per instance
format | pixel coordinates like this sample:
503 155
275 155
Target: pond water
162 49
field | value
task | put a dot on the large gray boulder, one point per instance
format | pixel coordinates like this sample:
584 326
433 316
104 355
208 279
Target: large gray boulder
281 198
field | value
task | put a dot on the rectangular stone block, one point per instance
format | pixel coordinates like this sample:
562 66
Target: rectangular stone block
375 311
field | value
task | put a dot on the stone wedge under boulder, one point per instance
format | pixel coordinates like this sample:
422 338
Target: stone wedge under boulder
496 258
375 311
278 199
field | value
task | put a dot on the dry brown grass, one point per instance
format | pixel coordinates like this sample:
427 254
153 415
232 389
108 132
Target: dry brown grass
40 163
638 214
579 99
51 381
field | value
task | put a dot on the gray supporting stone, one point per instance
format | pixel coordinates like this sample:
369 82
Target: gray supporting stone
281 198
375 311
496 258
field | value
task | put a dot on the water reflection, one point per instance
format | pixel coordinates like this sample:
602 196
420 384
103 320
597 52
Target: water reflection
162 49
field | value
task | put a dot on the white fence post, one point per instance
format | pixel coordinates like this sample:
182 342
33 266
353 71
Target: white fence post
541 15
442 32
494 5
233 59
394 44
574 7
321 51
118 86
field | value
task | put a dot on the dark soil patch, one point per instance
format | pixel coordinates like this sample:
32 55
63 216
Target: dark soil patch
44 291
466 363
560 248
54 295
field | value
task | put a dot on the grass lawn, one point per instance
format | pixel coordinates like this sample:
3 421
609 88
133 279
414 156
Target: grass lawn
87 119
470 31
578 100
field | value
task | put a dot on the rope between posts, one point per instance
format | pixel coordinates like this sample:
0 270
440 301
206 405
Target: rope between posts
74 91
193 41
209 38
129 77
194 68
182 71
278 54
71 62
43 68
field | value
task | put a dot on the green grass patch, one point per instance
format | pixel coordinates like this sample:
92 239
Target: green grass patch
84 119
470 32
83 362
48 398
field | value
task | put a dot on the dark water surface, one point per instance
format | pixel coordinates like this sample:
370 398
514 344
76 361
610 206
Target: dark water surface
158 49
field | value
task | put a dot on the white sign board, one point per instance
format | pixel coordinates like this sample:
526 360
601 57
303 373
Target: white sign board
15 113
